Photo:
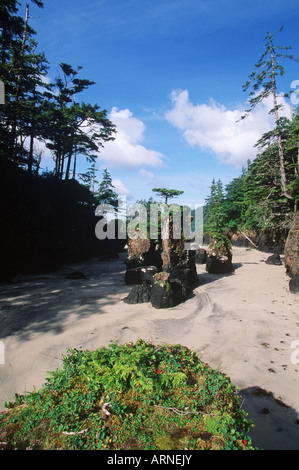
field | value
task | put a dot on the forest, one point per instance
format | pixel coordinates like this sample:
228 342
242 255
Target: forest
48 218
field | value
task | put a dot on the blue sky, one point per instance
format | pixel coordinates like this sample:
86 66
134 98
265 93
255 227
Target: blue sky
170 75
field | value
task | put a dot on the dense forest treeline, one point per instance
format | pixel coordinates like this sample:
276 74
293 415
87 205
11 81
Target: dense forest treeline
254 203
48 218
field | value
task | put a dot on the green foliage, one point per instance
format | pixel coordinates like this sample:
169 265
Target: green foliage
106 193
159 397
35 110
168 193
214 216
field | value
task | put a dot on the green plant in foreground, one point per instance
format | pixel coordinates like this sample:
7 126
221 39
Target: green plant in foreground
158 396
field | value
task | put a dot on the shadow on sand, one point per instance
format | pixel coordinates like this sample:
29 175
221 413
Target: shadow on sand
276 424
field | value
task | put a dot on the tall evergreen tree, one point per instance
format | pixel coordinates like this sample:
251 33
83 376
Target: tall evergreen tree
263 82
106 194
214 217
21 70
73 128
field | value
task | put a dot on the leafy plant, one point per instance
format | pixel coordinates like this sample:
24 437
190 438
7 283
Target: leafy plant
159 397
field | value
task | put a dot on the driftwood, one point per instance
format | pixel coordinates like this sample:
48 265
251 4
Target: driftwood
105 412
182 413
250 240
65 433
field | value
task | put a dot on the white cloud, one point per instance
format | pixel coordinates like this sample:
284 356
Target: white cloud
126 150
216 129
121 189
150 179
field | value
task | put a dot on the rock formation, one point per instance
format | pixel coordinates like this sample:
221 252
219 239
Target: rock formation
292 248
164 272
219 258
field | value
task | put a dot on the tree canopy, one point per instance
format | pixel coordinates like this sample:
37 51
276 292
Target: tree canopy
168 193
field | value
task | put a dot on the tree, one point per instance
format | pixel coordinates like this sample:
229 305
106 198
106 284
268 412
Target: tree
233 206
106 194
89 178
167 193
264 84
214 218
22 71
264 77
74 128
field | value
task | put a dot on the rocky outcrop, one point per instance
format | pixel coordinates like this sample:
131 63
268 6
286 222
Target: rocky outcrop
294 285
200 256
292 248
219 259
167 270
139 294
140 275
143 252
274 259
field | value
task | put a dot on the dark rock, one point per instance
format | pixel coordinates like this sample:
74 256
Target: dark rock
161 296
219 259
292 248
139 294
184 278
170 289
270 240
294 285
274 259
201 256
219 265
143 252
76 275
140 275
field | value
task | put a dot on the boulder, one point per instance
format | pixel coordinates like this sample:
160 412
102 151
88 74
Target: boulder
294 285
143 252
292 248
219 265
161 296
140 275
274 259
170 289
219 258
201 256
139 294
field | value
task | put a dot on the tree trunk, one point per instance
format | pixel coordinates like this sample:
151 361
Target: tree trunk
283 177
68 165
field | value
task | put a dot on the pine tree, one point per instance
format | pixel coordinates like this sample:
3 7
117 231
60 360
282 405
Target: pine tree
21 70
214 217
74 129
167 193
264 78
106 194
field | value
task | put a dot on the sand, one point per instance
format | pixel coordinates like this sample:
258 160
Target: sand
246 322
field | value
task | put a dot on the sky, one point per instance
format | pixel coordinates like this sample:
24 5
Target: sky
170 74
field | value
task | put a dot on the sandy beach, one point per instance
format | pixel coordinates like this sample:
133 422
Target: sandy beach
246 321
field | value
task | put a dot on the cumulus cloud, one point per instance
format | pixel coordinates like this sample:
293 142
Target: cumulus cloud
216 129
127 151
121 189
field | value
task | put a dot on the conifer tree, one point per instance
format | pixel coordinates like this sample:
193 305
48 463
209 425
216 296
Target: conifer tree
168 193
263 81
214 218
106 194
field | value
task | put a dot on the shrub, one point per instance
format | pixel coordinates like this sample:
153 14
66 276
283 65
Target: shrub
158 397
